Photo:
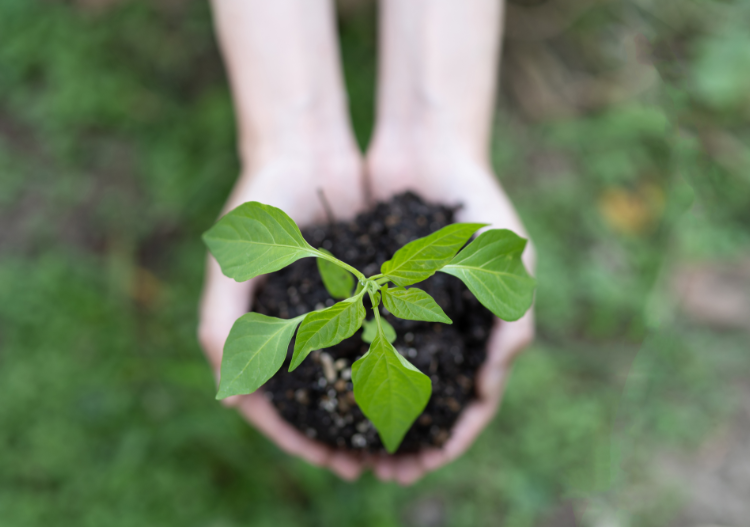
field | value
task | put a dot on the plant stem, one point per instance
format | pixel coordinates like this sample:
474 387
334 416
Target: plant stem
376 311
339 263
360 294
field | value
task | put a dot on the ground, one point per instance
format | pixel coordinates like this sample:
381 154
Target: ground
621 136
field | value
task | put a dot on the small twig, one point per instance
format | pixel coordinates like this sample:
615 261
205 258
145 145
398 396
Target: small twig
367 185
326 207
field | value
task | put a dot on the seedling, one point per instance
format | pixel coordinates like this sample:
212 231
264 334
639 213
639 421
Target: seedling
255 239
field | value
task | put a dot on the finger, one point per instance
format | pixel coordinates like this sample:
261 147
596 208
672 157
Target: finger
345 465
472 421
508 339
490 382
431 459
516 336
264 417
384 468
409 469
232 401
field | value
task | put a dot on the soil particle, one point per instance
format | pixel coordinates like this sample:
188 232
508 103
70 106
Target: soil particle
322 403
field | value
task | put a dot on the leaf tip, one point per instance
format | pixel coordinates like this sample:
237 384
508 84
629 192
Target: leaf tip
391 445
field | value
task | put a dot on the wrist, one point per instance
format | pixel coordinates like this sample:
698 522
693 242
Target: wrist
428 134
290 179
423 146
299 136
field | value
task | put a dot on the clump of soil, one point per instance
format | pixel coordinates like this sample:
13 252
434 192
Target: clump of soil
317 397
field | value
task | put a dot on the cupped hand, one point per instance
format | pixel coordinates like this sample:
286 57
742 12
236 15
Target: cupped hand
447 175
292 185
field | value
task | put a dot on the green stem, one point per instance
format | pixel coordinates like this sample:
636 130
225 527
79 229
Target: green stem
375 277
360 294
382 281
376 311
339 263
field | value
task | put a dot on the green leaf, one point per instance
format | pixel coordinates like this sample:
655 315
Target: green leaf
390 391
254 351
336 279
421 258
371 330
254 239
327 327
413 304
492 269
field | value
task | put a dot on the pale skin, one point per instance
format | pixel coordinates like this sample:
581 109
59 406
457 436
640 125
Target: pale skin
437 73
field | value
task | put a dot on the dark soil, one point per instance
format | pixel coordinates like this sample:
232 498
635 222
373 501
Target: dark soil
317 397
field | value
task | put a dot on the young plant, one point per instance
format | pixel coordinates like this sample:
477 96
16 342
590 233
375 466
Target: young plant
255 239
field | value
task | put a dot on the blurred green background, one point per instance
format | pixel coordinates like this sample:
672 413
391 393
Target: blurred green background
623 137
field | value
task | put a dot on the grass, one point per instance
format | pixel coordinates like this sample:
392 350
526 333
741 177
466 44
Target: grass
117 151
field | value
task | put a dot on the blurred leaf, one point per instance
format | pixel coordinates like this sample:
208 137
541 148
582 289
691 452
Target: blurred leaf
722 72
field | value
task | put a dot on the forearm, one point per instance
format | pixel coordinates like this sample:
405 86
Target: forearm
438 69
284 70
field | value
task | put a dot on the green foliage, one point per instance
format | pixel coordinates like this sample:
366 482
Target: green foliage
370 330
390 391
421 258
492 269
256 238
327 327
413 304
722 73
254 351
336 279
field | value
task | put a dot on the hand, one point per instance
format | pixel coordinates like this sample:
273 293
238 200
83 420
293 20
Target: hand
446 174
293 186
